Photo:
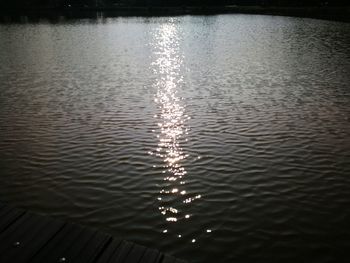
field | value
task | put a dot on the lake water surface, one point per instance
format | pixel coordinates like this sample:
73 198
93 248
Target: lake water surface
213 138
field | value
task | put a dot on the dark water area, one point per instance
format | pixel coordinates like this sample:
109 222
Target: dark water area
213 138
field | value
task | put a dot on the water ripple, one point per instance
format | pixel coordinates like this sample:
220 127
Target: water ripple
213 138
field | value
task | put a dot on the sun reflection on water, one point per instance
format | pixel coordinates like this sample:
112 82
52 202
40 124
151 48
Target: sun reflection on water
172 131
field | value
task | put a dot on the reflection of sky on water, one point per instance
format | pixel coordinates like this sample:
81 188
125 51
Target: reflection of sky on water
174 199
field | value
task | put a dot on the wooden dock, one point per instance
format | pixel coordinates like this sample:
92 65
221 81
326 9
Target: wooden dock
30 238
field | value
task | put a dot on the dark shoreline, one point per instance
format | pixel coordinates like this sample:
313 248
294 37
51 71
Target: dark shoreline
329 13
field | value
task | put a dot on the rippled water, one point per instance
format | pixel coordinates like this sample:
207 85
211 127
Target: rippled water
213 138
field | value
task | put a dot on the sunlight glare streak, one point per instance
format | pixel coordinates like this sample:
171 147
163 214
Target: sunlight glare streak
173 130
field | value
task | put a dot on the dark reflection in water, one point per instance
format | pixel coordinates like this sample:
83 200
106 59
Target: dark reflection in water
222 138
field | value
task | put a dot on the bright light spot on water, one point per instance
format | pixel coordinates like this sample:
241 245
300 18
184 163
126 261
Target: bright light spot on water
173 210
208 230
193 240
165 231
172 122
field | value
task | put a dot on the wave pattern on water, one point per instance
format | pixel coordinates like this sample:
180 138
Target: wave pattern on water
173 132
231 132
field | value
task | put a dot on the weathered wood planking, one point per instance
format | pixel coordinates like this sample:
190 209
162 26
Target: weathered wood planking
30 238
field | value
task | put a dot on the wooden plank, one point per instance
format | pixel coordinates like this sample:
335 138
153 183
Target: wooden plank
10 217
136 253
168 259
93 245
2 208
110 250
26 237
77 246
96 248
30 240
122 252
56 249
12 232
5 210
151 256
20 229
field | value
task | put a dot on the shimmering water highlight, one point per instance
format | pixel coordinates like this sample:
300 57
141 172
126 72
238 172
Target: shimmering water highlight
213 138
